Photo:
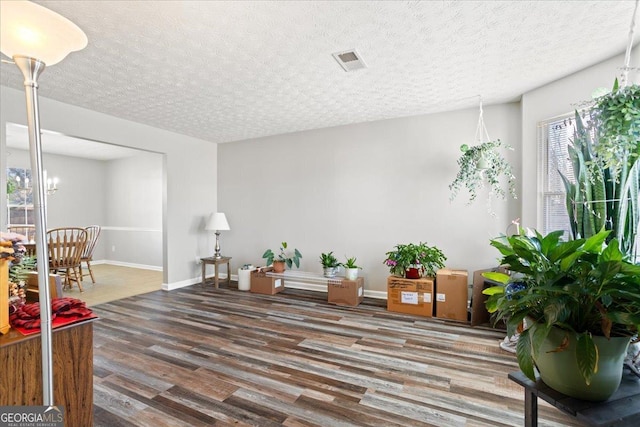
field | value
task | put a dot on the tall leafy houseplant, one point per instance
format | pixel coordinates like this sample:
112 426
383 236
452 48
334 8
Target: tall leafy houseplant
483 163
580 289
604 154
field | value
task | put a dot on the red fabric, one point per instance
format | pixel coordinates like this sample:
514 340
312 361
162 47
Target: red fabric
64 311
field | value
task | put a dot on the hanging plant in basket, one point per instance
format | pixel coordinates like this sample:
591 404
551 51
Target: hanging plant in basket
483 164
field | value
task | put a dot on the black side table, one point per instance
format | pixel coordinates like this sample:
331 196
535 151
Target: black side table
622 409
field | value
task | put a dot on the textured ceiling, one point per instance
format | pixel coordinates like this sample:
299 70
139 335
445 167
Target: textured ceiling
56 143
228 71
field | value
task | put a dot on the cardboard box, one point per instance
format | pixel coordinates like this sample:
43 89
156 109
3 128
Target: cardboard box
452 294
32 292
263 284
345 292
479 313
411 296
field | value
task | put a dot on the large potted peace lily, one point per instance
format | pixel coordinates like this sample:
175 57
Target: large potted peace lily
580 302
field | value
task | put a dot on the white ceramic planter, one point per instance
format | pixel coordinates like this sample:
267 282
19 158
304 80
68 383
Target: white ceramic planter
351 273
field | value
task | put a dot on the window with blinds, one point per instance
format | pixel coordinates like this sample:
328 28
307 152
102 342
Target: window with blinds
554 138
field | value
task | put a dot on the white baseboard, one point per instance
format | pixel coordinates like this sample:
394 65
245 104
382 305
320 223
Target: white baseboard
288 284
318 287
127 264
182 284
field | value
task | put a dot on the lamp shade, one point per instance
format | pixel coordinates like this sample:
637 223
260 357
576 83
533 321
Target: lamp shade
28 29
217 221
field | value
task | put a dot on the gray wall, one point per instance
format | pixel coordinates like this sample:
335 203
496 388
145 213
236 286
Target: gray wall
358 190
189 181
133 197
558 98
123 196
79 200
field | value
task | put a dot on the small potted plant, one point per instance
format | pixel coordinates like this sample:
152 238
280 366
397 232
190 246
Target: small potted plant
351 269
580 302
483 163
329 263
282 257
415 260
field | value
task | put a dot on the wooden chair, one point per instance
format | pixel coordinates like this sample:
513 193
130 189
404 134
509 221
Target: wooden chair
93 232
65 251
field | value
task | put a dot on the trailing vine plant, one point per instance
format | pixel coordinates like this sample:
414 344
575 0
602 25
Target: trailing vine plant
616 117
482 164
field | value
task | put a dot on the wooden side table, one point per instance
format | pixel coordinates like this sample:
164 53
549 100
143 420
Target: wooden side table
216 262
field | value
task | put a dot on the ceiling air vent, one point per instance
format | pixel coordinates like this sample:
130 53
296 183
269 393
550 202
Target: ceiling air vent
349 60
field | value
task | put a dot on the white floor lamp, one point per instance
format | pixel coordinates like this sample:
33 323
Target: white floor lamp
35 37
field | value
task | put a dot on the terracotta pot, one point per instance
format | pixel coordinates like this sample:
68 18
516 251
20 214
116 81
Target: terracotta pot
278 266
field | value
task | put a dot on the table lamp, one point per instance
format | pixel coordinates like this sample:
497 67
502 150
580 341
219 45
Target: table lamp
217 221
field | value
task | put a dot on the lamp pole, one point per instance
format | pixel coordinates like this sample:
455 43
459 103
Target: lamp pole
34 36
31 69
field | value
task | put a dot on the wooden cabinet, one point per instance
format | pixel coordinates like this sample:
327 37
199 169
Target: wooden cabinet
21 371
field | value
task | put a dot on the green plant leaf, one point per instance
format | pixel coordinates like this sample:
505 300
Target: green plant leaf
564 249
594 243
568 261
552 311
539 333
612 252
523 353
494 290
496 277
586 356
492 303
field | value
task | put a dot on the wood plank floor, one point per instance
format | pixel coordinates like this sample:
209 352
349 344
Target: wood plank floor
198 356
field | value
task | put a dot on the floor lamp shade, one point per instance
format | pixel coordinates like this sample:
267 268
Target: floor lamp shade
217 221
30 30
